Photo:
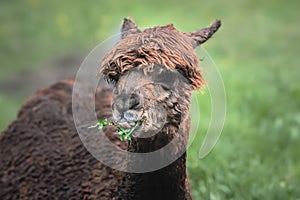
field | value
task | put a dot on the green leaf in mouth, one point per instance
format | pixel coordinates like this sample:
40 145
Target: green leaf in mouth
124 134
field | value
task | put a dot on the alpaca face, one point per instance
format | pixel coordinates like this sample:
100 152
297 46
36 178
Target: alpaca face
154 71
140 95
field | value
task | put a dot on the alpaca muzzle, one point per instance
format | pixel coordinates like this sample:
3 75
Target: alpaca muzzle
128 119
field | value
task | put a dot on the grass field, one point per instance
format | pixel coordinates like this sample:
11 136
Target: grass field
257 53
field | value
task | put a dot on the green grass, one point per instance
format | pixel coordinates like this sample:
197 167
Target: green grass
256 51
257 154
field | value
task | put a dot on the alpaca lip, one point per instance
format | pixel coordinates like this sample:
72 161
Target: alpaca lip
125 123
130 124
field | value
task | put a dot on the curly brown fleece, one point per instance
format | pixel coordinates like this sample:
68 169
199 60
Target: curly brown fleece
162 45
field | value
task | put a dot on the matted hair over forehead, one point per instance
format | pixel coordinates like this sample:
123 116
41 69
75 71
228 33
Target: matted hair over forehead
162 45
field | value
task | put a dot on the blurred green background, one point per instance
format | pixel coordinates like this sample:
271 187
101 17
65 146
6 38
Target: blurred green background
256 50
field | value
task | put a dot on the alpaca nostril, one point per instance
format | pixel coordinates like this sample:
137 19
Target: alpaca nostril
134 106
134 101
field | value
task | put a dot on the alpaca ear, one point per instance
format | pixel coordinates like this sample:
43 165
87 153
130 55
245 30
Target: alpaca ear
200 36
129 27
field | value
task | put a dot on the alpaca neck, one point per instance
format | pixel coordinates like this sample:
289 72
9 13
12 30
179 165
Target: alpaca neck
170 182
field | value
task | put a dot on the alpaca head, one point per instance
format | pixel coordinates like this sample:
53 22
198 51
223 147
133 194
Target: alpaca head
154 72
154 93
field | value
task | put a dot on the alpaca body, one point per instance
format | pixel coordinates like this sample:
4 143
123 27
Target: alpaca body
42 156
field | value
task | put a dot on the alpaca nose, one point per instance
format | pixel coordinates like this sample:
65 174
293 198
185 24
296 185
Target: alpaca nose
130 116
128 119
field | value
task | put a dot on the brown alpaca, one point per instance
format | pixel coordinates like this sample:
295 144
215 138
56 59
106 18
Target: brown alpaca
42 156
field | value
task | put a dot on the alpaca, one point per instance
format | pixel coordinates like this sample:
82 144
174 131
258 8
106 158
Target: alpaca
42 156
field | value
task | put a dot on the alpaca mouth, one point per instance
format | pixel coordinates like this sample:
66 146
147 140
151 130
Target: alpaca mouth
130 124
